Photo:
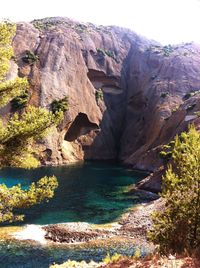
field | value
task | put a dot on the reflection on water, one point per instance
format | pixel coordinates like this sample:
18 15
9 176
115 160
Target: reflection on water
90 192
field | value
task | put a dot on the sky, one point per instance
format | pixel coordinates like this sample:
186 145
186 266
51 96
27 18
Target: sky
166 21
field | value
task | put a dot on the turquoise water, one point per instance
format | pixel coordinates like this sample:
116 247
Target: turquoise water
90 192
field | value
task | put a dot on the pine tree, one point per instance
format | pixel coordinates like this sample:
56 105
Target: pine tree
18 135
15 87
177 227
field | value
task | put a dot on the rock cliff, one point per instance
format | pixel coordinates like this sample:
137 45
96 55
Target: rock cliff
127 95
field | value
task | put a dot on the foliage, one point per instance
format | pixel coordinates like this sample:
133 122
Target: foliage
154 76
166 153
167 50
109 53
101 51
99 95
60 105
137 253
190 107
11 89
7 31
175 109
191 94
110 259
8 89
30 57
18 136
164 94
177 227
197 113
21 101
13 199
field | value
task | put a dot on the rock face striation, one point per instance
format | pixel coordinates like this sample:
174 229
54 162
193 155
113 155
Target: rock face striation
127 95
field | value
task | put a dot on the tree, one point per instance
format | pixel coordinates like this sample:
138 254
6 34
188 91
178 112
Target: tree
18 135
15 198
15 87
177 227
22 130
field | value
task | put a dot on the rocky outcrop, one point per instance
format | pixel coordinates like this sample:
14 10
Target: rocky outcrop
150 92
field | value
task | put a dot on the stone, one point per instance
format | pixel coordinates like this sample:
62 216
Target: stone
144 87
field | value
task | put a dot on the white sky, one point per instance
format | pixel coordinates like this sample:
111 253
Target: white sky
167 21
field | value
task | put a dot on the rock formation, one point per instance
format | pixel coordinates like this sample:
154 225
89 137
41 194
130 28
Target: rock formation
127 95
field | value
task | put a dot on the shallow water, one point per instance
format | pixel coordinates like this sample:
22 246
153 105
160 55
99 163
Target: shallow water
89 192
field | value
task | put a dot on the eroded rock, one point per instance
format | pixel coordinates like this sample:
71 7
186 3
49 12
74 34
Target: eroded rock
146 90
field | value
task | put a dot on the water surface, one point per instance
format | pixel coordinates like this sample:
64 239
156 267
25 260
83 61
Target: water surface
89 192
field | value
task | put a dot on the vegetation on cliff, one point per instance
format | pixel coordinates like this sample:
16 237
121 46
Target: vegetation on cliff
21 130
9 89
177 227
18 135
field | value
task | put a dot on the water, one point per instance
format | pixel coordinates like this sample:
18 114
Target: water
90 192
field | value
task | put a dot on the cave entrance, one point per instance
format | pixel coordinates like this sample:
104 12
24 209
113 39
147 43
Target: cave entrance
80 126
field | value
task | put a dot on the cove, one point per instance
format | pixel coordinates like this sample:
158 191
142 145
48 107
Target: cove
90 192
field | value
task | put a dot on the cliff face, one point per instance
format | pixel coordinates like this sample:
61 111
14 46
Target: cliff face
146 90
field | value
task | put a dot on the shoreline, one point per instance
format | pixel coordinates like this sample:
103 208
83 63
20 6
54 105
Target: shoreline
132 225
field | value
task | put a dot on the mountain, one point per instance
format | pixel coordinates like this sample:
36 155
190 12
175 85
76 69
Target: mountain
127 95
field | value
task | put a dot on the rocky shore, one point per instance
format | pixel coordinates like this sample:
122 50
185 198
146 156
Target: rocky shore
132 225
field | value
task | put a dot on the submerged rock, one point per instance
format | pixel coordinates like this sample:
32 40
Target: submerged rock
78 232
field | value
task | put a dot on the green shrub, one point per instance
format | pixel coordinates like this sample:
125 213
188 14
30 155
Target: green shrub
110 54
164 94
60 105
101 51
176 228
30 58
165 155
197 113
175 109
112 259
153 76
190 107
20 101
99 95
191 94
167 50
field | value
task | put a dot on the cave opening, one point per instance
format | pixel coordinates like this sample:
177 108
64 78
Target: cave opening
80 126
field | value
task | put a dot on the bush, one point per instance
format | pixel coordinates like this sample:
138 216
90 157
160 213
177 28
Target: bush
101 51
190 107
177 227
20 101
191 94
175 109
108 53
112 259
60 105
197 113
99 95
164 94
30 58
167 50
